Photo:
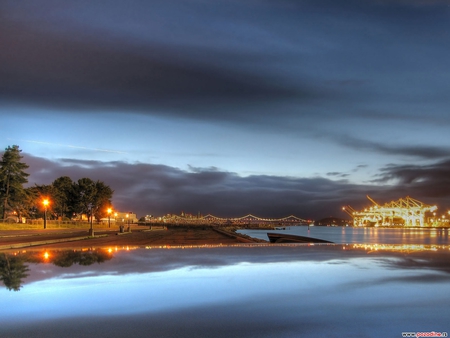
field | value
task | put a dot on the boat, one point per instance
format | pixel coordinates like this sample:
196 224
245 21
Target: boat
284 238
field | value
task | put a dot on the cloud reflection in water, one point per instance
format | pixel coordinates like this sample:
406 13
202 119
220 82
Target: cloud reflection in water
278 291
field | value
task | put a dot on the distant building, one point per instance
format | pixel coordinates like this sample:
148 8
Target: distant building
126 217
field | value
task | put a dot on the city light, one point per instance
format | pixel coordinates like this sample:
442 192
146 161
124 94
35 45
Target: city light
406 248
405 211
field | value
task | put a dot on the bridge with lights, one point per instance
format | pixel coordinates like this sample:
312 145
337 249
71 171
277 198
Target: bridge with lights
405 211
247 219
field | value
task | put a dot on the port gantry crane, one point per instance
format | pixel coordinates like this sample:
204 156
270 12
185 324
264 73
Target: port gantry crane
405 211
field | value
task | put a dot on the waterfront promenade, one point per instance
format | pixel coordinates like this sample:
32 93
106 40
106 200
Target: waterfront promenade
138 236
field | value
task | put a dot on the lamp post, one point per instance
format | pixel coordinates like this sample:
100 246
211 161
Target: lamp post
45 203
91 230
109 217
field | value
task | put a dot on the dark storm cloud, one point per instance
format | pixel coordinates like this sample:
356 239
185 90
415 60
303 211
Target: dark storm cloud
393 12
431 181
338 174
42 66
198 60
159 189
418 151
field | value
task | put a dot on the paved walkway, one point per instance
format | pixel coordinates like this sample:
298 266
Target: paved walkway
105 237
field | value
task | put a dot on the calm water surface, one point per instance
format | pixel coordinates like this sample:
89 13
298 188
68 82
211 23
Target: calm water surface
242 291
363 235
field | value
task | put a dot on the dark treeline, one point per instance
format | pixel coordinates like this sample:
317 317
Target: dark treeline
67 198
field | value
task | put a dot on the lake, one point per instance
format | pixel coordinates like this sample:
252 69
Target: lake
343 235
350 290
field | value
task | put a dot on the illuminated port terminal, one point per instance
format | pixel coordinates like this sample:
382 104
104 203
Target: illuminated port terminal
407 212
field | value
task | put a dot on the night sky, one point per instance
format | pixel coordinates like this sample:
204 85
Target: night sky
232 107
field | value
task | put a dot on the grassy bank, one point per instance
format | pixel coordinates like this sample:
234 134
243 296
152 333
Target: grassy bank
55 225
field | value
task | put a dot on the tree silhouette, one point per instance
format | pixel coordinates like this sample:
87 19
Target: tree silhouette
63 196
92 197
12 178
12 271
66 259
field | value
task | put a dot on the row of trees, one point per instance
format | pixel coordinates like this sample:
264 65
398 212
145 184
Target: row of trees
67 198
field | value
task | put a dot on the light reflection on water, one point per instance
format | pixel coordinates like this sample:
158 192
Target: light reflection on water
241 291
345 235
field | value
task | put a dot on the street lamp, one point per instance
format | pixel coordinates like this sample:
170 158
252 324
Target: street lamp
91 230
45 202
109 217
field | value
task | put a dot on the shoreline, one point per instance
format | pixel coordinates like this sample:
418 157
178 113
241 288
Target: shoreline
179 235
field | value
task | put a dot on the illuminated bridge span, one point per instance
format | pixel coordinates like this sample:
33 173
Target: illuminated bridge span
248 219
405 211
255 219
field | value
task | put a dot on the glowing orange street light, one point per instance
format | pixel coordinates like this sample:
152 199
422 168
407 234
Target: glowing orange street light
45 202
